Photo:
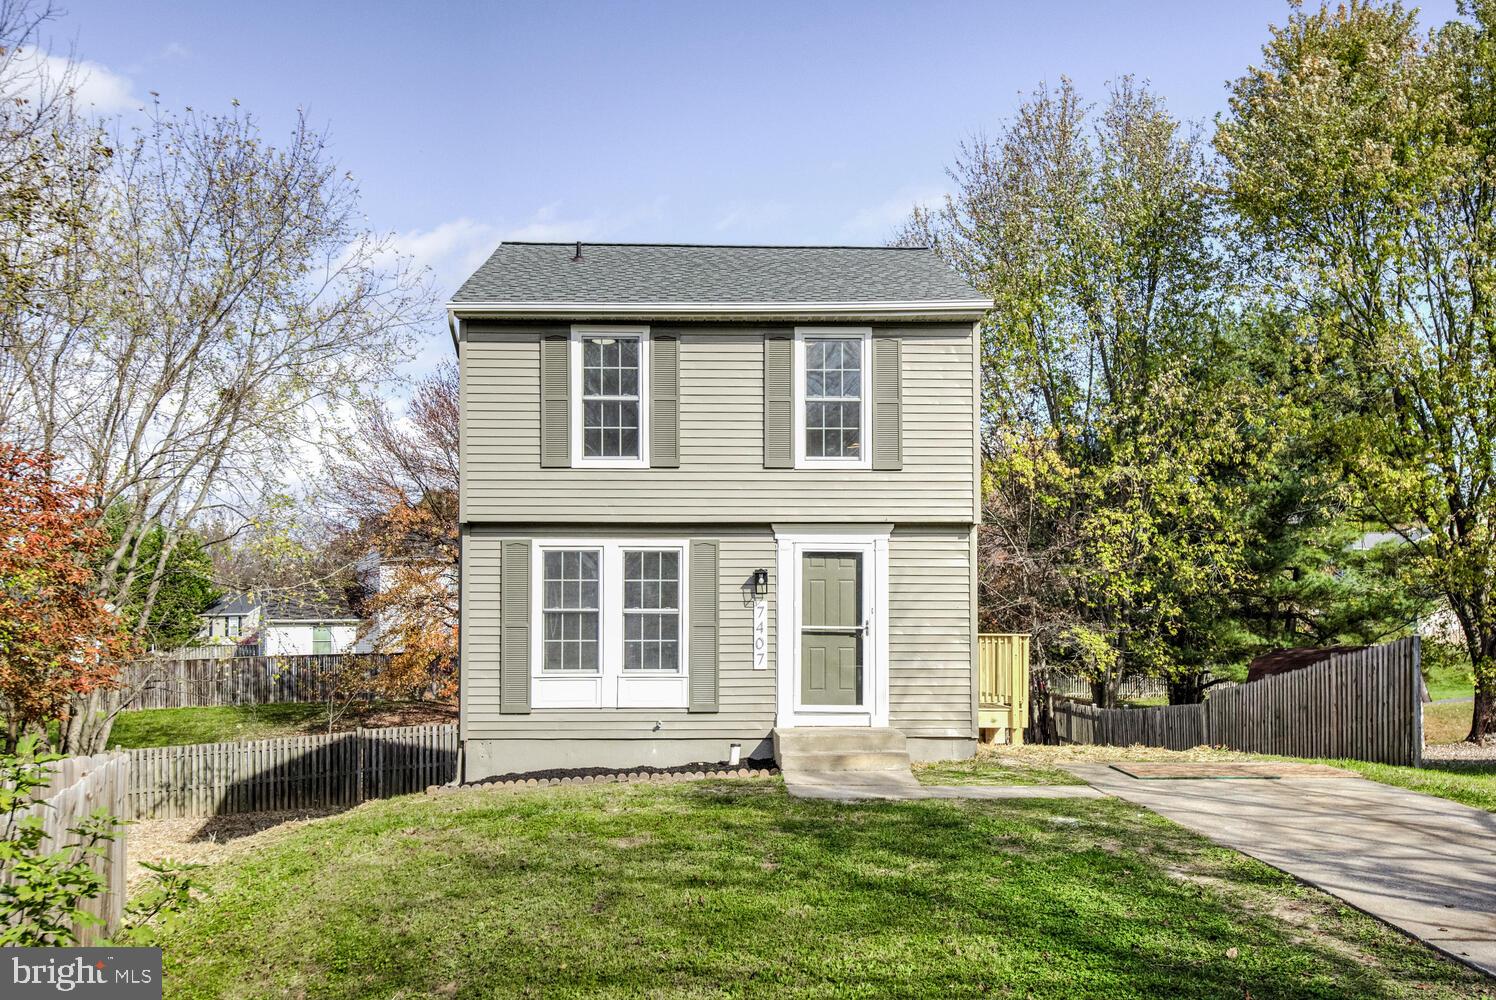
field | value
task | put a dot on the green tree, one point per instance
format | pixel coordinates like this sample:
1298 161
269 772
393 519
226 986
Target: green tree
1360 156
1120 431
185 589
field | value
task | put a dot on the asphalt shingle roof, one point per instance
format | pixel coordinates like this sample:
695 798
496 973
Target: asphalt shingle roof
308 605
677 273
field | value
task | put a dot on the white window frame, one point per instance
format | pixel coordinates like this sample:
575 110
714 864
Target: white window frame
579 458
864 459
610 686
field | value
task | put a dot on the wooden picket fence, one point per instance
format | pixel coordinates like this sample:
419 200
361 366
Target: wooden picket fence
291 772
162 682
1365 705
77 787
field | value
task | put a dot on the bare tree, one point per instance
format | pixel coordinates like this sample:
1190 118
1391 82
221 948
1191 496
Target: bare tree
230 305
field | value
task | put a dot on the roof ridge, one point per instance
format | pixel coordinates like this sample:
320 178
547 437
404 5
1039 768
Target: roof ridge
710 246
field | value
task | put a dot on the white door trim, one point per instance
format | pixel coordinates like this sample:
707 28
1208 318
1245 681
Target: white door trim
791 546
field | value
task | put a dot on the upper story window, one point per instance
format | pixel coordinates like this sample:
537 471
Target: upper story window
610 394
831 379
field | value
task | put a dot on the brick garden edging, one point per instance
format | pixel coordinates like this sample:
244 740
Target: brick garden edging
657 776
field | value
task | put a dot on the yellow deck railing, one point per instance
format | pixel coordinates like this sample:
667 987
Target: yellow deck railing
1003 685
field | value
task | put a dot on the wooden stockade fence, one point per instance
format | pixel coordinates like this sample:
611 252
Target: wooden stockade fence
162 682
77 787
292 772
1365 705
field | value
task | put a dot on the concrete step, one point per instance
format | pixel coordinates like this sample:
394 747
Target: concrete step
822 739
841 761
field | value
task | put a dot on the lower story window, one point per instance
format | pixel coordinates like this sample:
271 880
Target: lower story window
571 610
610 624
651 610
321 640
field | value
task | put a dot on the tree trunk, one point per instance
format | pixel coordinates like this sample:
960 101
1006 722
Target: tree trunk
1187 689
1483 659
1483 720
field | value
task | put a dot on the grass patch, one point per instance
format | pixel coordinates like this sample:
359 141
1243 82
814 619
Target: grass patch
160 727
1447 723
992 766
714 889
1446 671
1470 782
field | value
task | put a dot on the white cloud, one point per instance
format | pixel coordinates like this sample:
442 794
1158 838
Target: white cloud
95 87
454 249
876 223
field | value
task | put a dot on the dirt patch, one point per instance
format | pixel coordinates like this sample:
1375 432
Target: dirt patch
204 840
408 713
623 843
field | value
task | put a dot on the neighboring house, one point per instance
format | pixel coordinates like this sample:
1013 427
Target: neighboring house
1440 623
1284 661
284 625
708 491
231 618
378 573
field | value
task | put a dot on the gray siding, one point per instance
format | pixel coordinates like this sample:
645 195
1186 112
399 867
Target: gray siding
746 699
930 628
721 477
930 645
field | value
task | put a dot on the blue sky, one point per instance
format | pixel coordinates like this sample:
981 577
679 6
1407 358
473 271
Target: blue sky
466 123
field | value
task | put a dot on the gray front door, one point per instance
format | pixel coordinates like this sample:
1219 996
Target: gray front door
831 629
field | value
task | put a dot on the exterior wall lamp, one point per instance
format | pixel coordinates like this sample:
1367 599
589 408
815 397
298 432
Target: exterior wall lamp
760 582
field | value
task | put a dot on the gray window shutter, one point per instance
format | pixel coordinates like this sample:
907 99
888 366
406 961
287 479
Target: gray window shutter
779 403
555 404
664 403
514 626
888 422
702 653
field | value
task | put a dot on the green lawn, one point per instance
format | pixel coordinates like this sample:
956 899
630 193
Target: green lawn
718 889
1470 782
1450 680
159 727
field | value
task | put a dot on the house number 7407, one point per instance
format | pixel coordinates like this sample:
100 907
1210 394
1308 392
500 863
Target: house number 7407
760 634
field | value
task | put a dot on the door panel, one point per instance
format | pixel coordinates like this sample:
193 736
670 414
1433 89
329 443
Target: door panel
831 639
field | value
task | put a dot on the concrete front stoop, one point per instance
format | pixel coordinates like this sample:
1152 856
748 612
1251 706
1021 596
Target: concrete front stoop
846 764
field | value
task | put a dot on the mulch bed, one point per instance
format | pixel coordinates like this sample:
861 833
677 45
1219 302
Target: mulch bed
752 767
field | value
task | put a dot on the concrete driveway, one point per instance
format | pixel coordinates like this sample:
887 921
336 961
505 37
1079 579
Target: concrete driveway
1422 864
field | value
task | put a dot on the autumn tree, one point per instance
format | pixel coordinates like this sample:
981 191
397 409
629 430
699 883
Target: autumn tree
58 638
1360 156
396 486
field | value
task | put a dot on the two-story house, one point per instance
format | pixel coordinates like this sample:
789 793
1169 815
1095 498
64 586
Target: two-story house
708 492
